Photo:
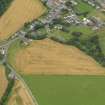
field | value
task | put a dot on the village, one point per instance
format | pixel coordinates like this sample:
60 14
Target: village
63 9
60 16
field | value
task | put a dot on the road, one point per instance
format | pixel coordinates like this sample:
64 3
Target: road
22 80
5 45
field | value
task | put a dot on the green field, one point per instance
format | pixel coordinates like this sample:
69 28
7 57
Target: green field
67 90
12 51
83 7
86 31
98 13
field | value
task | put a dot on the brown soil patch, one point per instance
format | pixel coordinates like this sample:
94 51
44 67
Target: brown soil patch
49 57
3 81
20 12
20 95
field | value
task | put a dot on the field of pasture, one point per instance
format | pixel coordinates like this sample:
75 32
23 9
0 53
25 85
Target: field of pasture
67 90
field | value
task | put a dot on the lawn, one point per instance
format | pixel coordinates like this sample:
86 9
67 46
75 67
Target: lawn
83 7
16 46
60 34
98 13
67 90
86 31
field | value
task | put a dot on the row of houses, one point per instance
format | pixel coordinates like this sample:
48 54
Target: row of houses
55 10
93 22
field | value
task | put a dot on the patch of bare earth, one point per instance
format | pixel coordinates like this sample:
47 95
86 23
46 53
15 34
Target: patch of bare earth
20 95
20 12
49 57
3 81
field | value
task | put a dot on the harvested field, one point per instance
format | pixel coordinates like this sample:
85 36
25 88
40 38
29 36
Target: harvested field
49 57
3 81
20 12
20 95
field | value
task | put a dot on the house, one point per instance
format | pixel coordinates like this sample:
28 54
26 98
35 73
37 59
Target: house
12 75
58 27
2 51
51 3
86 21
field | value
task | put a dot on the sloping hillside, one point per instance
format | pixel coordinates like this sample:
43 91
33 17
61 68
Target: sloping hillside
49 57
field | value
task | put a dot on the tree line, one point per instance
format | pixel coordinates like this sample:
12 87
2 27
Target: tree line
4 4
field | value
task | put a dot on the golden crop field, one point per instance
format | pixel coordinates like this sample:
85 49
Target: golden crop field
49 57
20 95
3 81
20 12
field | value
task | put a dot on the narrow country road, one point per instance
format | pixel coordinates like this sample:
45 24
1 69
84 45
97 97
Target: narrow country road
22 80
6 45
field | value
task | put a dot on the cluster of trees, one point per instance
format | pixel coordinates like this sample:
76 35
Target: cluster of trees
38 32
4 5
90 46
36 36
4 99
58 39
7 93
61 22
69 4
84 14
64 11
37 25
